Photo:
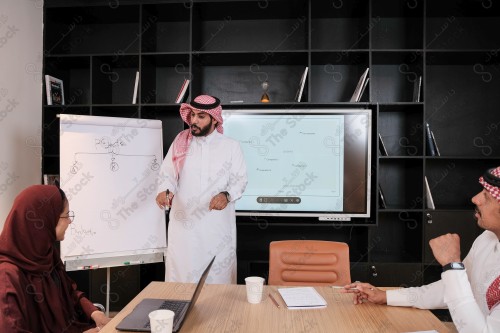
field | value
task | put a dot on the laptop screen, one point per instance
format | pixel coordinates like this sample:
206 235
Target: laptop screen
138 320
199 286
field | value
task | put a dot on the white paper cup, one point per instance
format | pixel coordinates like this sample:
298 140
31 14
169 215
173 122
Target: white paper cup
161 321
255 286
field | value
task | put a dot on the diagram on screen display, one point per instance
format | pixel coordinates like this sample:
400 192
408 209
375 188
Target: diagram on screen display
262 150
110 148
293 161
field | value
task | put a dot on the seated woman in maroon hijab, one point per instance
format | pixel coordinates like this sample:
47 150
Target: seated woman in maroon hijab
36 294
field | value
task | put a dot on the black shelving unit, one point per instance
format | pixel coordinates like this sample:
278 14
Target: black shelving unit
228 48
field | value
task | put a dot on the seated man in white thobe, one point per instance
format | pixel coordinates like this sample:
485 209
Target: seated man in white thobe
469 289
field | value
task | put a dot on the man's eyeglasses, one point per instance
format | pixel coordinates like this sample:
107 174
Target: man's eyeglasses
70 216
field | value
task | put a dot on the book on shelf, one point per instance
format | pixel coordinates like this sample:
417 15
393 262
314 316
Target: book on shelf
417 88
435 144
356 96
182 92
381 146
298 95
430 143
428 196
381 198
55 90
302 298
136 86
363 89
49 179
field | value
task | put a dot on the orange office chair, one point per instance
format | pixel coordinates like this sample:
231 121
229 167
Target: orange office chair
309 262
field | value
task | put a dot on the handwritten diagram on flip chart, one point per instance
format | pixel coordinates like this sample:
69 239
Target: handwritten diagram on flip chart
108 169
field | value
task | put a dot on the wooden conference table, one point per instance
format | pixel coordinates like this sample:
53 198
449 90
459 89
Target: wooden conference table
224 308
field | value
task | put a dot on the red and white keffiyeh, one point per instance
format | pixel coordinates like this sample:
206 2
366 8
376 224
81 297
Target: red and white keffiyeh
203 103
491 180
493 294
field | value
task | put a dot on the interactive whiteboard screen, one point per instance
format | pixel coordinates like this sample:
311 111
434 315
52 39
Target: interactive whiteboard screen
307 162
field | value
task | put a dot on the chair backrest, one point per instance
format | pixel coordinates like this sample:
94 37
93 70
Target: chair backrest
309 262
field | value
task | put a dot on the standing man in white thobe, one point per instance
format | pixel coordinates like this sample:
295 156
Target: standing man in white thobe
201 177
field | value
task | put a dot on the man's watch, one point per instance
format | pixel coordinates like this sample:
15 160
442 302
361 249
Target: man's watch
226 193
453 266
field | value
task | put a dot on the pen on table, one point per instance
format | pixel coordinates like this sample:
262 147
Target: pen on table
341 287
274 301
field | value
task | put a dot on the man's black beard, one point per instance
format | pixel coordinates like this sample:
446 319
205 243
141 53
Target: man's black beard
203 131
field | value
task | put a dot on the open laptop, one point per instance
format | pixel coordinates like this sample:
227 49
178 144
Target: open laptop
138 320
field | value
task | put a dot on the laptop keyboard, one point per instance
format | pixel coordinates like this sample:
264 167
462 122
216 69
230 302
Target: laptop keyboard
177 307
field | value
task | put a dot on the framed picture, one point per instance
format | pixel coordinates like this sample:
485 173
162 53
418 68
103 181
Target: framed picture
55 90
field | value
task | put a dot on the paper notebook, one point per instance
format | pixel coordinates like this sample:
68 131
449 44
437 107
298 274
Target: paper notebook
302 298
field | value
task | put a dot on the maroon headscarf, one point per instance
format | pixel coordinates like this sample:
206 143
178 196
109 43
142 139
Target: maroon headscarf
28 242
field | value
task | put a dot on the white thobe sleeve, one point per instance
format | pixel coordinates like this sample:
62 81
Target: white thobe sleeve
454 292
426 297
238 174
464 310
166 177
